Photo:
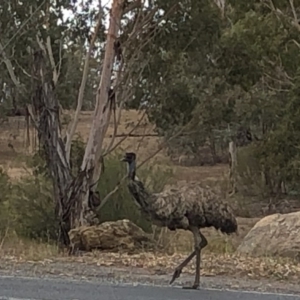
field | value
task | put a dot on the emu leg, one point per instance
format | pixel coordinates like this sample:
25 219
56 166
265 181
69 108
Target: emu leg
200 243
179 268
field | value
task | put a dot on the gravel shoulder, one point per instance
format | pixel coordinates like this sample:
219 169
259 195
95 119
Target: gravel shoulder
133 275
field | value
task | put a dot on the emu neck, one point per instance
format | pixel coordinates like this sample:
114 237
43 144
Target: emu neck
137 189
131 170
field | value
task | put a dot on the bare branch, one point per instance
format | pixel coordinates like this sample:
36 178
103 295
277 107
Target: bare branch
296 21
74 124
10 68
52 61
138 135
40 43
126 135
132 6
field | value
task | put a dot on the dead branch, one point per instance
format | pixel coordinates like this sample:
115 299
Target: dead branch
125 136
138 135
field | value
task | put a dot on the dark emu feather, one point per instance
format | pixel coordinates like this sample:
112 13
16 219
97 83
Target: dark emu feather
190 207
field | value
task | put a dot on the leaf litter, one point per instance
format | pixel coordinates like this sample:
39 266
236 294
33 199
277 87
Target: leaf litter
212 264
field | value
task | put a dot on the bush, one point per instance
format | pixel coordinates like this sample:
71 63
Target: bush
250 172
32 208
5 187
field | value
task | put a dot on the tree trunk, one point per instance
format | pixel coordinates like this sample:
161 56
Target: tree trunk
46 108
91 165
213 150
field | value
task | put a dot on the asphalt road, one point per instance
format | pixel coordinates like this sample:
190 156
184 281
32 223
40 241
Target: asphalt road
14 288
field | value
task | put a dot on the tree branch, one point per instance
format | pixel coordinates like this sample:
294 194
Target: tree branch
52 61
74 124
10 68
125 135
296 21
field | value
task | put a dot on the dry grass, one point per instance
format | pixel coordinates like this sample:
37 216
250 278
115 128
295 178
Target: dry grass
28 250
213 264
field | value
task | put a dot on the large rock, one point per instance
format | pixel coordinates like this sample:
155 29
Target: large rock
111 236
277 234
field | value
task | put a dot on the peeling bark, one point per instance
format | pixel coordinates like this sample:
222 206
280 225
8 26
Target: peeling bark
91 164
67 190
46 107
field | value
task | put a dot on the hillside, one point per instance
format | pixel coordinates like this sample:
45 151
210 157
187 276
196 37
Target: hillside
15 144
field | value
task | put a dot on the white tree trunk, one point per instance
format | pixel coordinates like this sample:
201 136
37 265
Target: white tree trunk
91 165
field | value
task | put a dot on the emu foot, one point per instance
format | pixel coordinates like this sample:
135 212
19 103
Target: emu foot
195 286
176 275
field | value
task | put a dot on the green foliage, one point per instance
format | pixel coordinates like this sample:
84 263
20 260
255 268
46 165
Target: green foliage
208 75
27 207
21 23
32 209
6 188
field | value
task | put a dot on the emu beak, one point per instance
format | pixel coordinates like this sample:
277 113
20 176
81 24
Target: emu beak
123 159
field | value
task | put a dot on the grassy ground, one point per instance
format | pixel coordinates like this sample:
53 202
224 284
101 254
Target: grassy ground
218 257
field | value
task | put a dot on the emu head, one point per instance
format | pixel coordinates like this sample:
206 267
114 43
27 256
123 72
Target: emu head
130 158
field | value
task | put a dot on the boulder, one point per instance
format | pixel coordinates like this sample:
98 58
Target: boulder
277 234
110 236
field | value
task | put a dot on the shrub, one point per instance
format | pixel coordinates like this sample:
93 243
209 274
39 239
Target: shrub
32 208
5 187
250 172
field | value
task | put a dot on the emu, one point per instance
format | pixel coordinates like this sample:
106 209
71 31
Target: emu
190 207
